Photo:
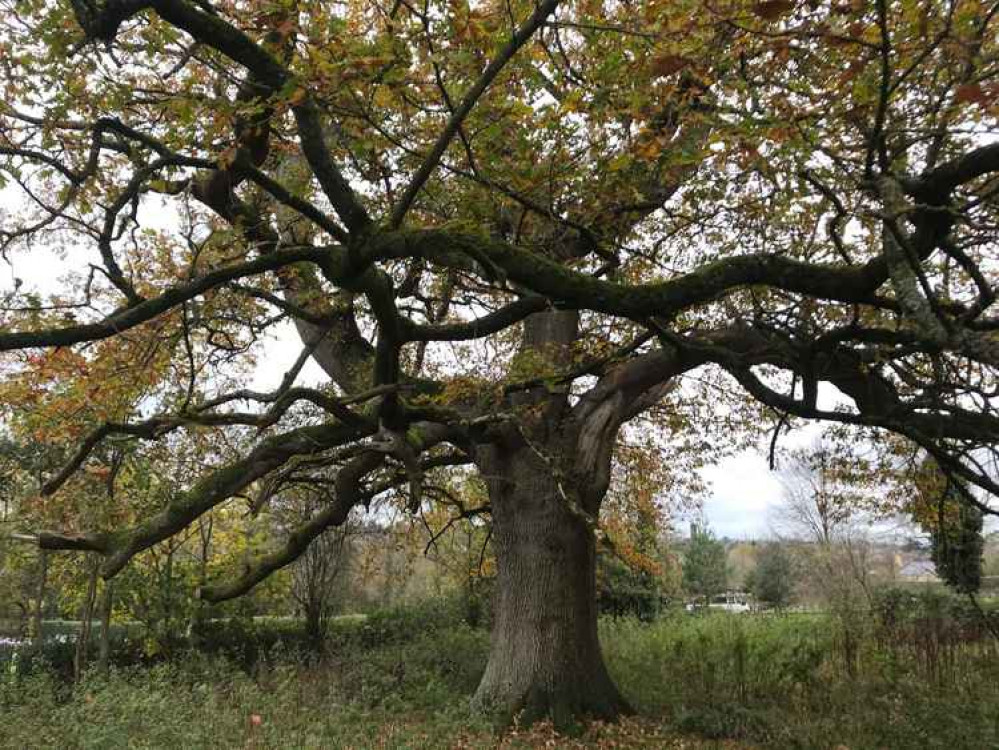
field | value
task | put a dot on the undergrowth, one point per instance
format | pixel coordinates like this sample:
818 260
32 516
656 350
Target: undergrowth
915 675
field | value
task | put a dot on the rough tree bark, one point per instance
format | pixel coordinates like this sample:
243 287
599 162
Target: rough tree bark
545 657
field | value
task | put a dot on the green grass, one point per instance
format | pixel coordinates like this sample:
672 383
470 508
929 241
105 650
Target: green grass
785 682
403 679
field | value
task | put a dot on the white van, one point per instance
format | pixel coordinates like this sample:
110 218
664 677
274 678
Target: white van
731 601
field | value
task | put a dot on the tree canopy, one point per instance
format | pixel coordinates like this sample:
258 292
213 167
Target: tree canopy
505 231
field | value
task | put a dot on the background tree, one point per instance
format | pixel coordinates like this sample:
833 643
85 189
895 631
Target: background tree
829 503
831 496
19 566
460 544
990 563
817 504
624 590
773 579
704 563
956 540
504 232
636 566
957 550
319 580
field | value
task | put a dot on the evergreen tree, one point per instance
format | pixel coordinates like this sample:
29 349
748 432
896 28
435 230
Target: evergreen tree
704 573
957 543
773 580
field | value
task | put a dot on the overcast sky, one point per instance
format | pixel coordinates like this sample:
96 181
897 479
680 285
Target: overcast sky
742 491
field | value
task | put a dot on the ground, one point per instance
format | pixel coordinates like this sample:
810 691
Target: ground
404 681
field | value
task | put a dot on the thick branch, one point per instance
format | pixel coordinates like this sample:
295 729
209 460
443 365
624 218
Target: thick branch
346 494
129 317
486 325
121 546
936 185
545 276
879 405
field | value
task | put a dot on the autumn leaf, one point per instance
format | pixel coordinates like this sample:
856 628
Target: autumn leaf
771 10
667 64
101 472
972 93
287 27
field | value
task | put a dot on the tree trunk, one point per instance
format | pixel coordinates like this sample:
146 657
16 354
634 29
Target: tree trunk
104 652
315 630
83 637
39 612
545 658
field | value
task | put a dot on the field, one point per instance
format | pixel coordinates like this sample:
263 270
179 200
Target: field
920 677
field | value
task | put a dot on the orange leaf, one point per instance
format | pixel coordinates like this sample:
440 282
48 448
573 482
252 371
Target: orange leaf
667 64
971 93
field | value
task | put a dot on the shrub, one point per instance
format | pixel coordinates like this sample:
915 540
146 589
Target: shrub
402 679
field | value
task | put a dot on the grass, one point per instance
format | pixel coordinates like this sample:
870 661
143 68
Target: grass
403 679
410 695
784 682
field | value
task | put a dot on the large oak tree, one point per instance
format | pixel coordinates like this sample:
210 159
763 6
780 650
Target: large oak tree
504 231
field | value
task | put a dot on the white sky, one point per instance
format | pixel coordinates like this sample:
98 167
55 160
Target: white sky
742 488
742 491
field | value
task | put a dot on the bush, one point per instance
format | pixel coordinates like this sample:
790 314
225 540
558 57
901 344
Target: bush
402 679
411 694
780 680
57 651
622 591
246 641
399 624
